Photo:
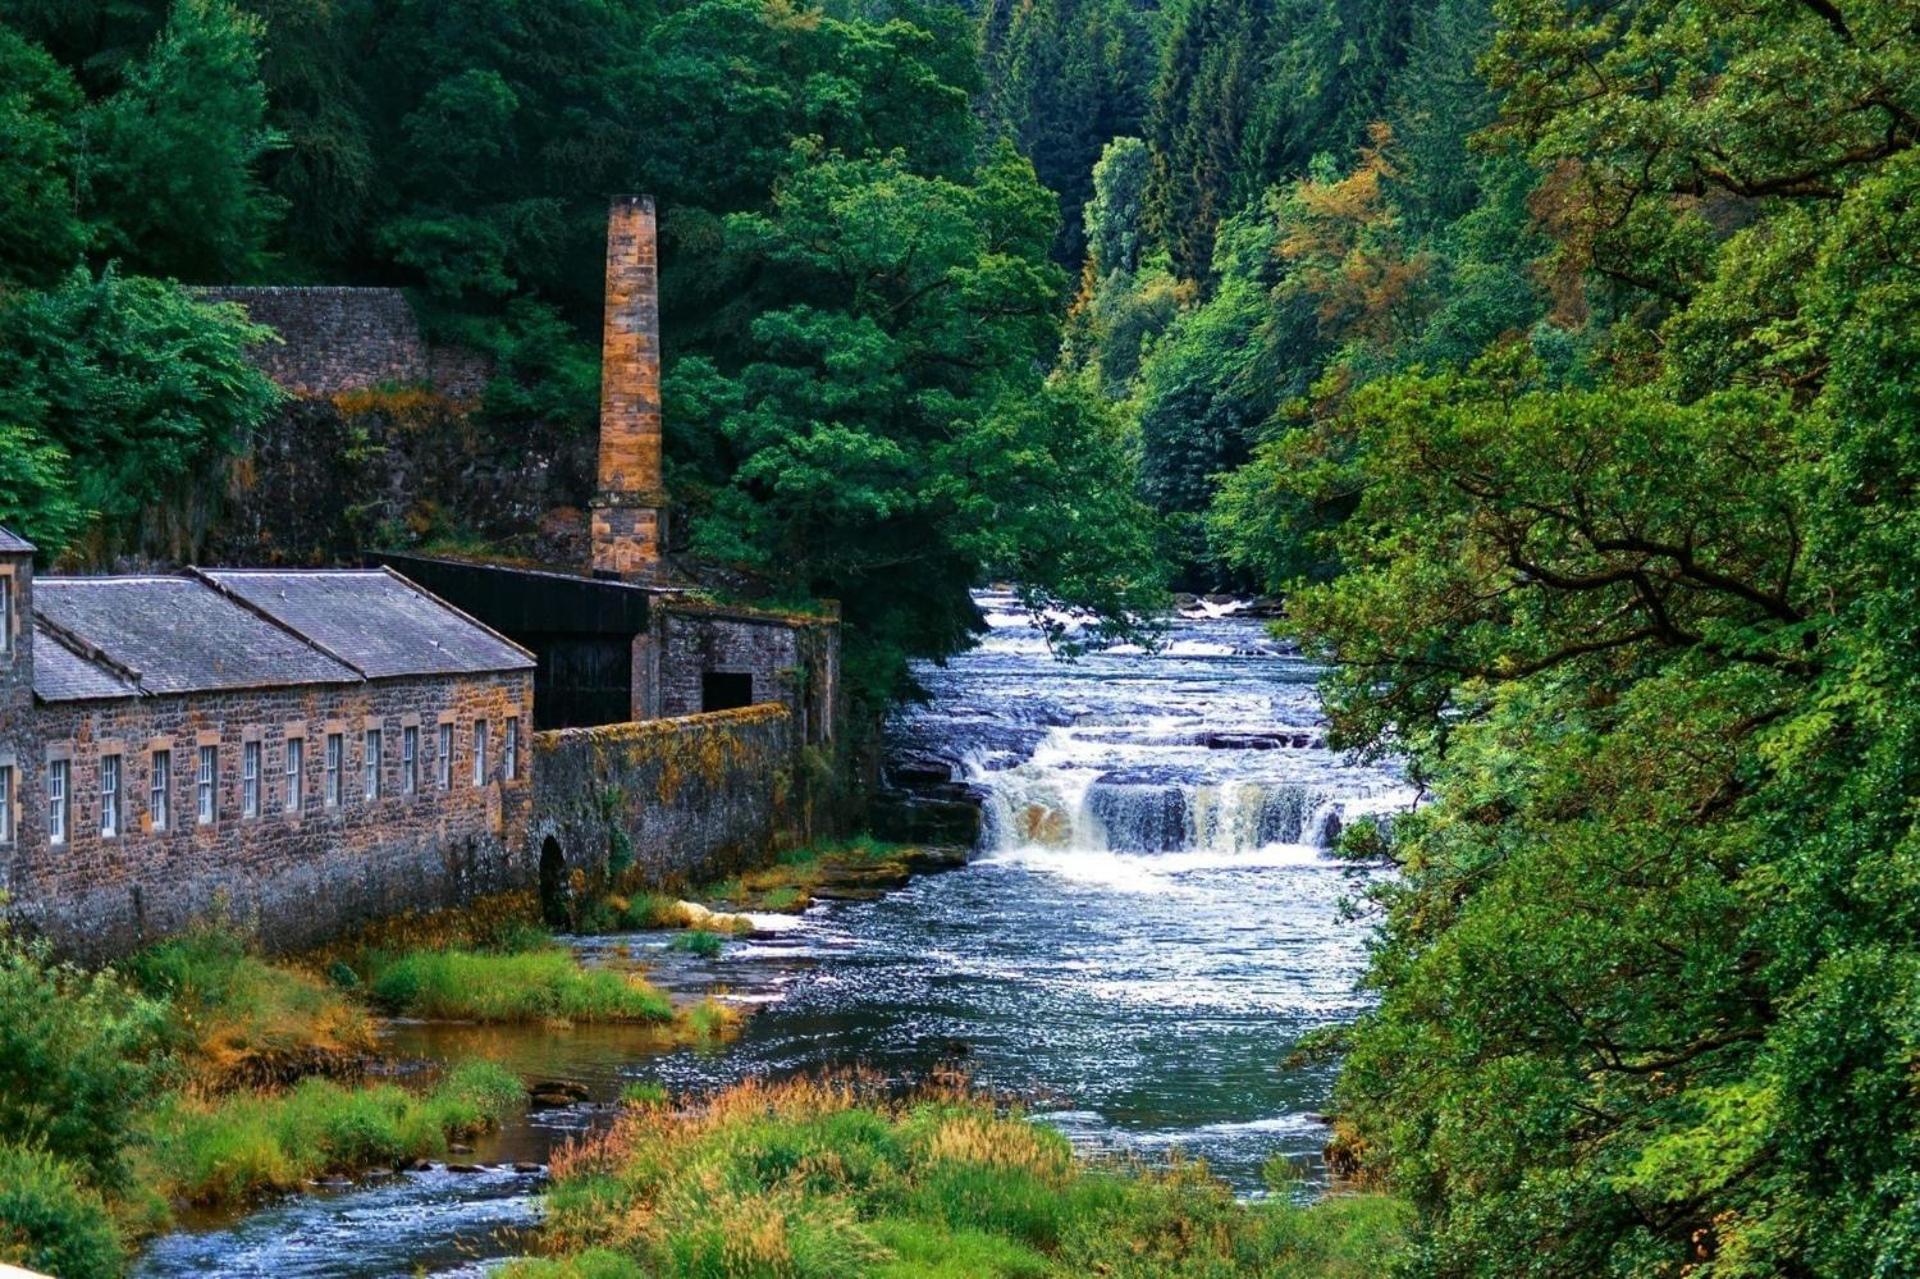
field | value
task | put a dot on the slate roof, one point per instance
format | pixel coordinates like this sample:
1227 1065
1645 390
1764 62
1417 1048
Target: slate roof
175 635
374 620
14 544
62 675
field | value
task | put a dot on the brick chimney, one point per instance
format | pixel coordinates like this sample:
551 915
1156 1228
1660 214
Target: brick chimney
629 510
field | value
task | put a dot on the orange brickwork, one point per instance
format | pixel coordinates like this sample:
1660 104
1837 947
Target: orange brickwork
627 511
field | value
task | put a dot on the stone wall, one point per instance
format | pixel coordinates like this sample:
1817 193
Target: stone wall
790 660
294 878
16 689
662 803
346 339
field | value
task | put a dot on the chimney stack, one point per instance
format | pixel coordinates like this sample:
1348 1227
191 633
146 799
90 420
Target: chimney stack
629 511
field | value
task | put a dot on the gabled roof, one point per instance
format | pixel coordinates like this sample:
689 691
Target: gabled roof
175 635
373 620
14 544
62 675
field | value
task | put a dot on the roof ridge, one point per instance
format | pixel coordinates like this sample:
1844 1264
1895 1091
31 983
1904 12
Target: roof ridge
207 580
456 610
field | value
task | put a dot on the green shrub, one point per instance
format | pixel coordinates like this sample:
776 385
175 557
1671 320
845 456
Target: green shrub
240 1146
77 1056
547 984
50 1221
699 941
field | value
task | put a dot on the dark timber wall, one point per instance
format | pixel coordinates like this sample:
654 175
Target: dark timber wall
663 802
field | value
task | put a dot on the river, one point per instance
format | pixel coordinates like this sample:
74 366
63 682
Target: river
1150 926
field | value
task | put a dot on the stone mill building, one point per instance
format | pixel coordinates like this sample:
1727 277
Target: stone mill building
298 751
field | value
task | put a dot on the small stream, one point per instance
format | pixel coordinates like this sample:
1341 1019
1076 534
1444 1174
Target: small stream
1150 927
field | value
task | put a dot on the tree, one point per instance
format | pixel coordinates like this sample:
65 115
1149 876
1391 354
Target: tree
42 233
887 437
171 175
117 392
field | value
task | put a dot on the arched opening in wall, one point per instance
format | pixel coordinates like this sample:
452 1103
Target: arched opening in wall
553 884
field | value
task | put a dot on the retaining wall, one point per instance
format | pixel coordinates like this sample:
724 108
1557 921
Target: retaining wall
662 802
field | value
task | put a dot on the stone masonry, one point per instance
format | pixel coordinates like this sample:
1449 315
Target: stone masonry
628 510
334 339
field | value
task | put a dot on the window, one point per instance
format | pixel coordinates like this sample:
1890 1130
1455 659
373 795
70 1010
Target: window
160 793
336 752
6 613
109 796
57 772
296 779
479 752
206 782
725 690
6 803
250 779
510 751
372 779
409 759
444 762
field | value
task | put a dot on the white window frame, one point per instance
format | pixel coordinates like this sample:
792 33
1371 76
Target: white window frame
206 785
160 790
6 803
251 762
59 779
6 614
370 768
110 797
295 800
336 765
409 759
443 766
479 752
510 751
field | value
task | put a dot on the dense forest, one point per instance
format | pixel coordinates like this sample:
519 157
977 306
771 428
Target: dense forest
1558 360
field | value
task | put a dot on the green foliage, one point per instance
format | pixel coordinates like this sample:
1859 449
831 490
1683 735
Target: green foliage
173 176
890 437
534 985
119 392
42 234
239 1019
698 941
1064 77
77 1053
51 1221
234 1149
817 1179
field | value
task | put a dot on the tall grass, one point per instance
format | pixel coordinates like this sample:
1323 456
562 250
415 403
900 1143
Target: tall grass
536 985
237 1147
242 1021
811 1180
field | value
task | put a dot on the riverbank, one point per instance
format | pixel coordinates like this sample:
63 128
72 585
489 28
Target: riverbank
843 1178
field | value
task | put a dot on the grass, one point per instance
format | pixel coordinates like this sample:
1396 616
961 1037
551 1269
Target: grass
547 984
788 886
699 942
812 1179
232 1149
618 914
241 1021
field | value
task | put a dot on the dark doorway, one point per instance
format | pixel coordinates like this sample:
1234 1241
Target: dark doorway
554 903
724 690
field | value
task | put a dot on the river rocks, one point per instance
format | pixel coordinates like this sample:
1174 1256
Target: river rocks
525 1165
554 1094
466 1169
1296 739
459 1148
